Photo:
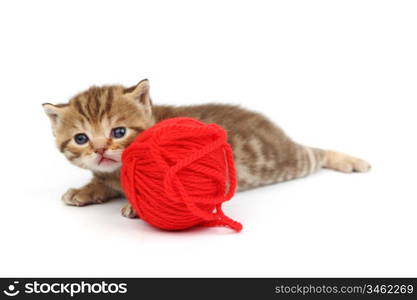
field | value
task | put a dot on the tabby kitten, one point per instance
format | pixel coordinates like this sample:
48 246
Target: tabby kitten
95 126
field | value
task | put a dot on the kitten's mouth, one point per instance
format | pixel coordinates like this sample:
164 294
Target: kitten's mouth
105 159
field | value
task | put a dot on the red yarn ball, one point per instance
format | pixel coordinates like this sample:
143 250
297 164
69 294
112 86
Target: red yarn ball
177 174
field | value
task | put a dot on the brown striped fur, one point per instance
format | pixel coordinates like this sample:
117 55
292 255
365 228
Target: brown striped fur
263 153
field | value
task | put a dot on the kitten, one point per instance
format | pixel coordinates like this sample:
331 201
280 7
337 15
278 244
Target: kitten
95 126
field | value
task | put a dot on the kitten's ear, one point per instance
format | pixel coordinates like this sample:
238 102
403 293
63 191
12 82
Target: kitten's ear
140 94
53 112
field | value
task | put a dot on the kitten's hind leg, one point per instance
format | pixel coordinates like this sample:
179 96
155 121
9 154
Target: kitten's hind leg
313 159
94 192
291 162
344 163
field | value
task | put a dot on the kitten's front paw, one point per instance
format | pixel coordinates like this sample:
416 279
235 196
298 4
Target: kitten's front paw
128 212
79 197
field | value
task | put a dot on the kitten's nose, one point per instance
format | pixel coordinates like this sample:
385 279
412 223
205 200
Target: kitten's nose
100 151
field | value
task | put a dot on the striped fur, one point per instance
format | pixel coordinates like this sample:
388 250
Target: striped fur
263 153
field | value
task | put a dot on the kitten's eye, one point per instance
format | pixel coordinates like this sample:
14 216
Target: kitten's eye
81 138
118 132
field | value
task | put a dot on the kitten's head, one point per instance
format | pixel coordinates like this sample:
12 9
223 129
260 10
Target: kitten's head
94 127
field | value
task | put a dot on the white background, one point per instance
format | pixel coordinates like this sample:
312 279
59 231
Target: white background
333 74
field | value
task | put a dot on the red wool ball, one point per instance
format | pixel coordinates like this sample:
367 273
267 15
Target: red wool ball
177 174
